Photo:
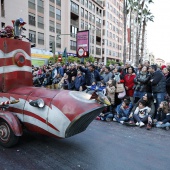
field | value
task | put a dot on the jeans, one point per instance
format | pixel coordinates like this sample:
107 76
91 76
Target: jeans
138 94
138 119
159 97
162 125
125 119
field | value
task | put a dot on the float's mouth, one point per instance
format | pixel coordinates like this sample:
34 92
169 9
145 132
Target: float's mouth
81 122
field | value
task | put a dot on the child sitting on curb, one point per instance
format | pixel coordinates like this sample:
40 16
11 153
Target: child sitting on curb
123 111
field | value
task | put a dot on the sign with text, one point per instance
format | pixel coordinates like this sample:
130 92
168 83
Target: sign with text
82 43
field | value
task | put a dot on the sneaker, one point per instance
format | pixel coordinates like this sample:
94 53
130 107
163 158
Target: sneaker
108 119
97 118
149 126
141 124
114 120
167 127
137 123
122 122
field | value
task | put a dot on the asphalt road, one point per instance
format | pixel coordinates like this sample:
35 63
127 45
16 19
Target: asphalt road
103 146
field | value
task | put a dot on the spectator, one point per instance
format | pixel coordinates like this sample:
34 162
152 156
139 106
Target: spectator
71 84
146 63
158 84
125 70
79 82
123 111
107 75
64 82
91 75
163 116
142 84
141 113
150 103
102 71
102 87
71 72
139 69
129 82
60 70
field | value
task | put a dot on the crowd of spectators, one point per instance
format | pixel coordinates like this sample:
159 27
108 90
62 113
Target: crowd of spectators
144 99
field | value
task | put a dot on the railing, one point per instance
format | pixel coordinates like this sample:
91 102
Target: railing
98 43
75 23
75 11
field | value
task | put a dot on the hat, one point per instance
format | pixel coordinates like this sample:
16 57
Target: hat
163 66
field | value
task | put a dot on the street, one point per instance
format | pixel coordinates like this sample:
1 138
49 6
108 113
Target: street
103 146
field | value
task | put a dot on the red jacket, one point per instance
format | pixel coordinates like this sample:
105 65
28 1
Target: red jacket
129 82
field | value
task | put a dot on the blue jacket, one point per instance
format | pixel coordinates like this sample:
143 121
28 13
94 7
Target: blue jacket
123 112
79 81
88 75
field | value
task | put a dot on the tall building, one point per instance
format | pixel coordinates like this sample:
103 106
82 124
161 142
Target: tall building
112 30
59 21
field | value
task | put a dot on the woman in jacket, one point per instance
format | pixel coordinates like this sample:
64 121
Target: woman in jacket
129 82
142 84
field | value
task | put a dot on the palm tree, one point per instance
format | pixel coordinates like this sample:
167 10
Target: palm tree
125 17
147 16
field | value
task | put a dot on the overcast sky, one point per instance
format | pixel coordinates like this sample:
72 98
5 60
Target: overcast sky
159 31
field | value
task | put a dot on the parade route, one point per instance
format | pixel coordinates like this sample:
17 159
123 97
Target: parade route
103 146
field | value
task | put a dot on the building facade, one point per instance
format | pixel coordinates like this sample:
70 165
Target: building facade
59 21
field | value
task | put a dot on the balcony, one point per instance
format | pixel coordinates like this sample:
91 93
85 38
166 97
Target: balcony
75 11
75 23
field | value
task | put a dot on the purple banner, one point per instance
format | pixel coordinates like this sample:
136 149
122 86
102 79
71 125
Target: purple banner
83 43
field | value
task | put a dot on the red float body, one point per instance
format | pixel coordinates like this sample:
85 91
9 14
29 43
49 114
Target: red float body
65 113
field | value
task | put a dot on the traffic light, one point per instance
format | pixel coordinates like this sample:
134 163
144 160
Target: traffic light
52 47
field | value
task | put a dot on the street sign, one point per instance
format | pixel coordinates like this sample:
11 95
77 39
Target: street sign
82 44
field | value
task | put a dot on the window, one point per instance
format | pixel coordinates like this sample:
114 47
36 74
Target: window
58 14
72 45
40 6
93 8
40 38
31 19
82 12
40 22
82 24
51 39
73 31
90 5
51 26
52 12
52 1
58 2
90 17
31 4
82 2
86 14
74 8
86 3
58 28
58 42
32 36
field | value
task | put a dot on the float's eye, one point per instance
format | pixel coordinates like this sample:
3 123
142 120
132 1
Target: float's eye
19 59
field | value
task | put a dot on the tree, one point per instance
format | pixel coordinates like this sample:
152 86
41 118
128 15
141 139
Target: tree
125 20
147 16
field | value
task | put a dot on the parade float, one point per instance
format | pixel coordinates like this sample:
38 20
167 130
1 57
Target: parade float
57 113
